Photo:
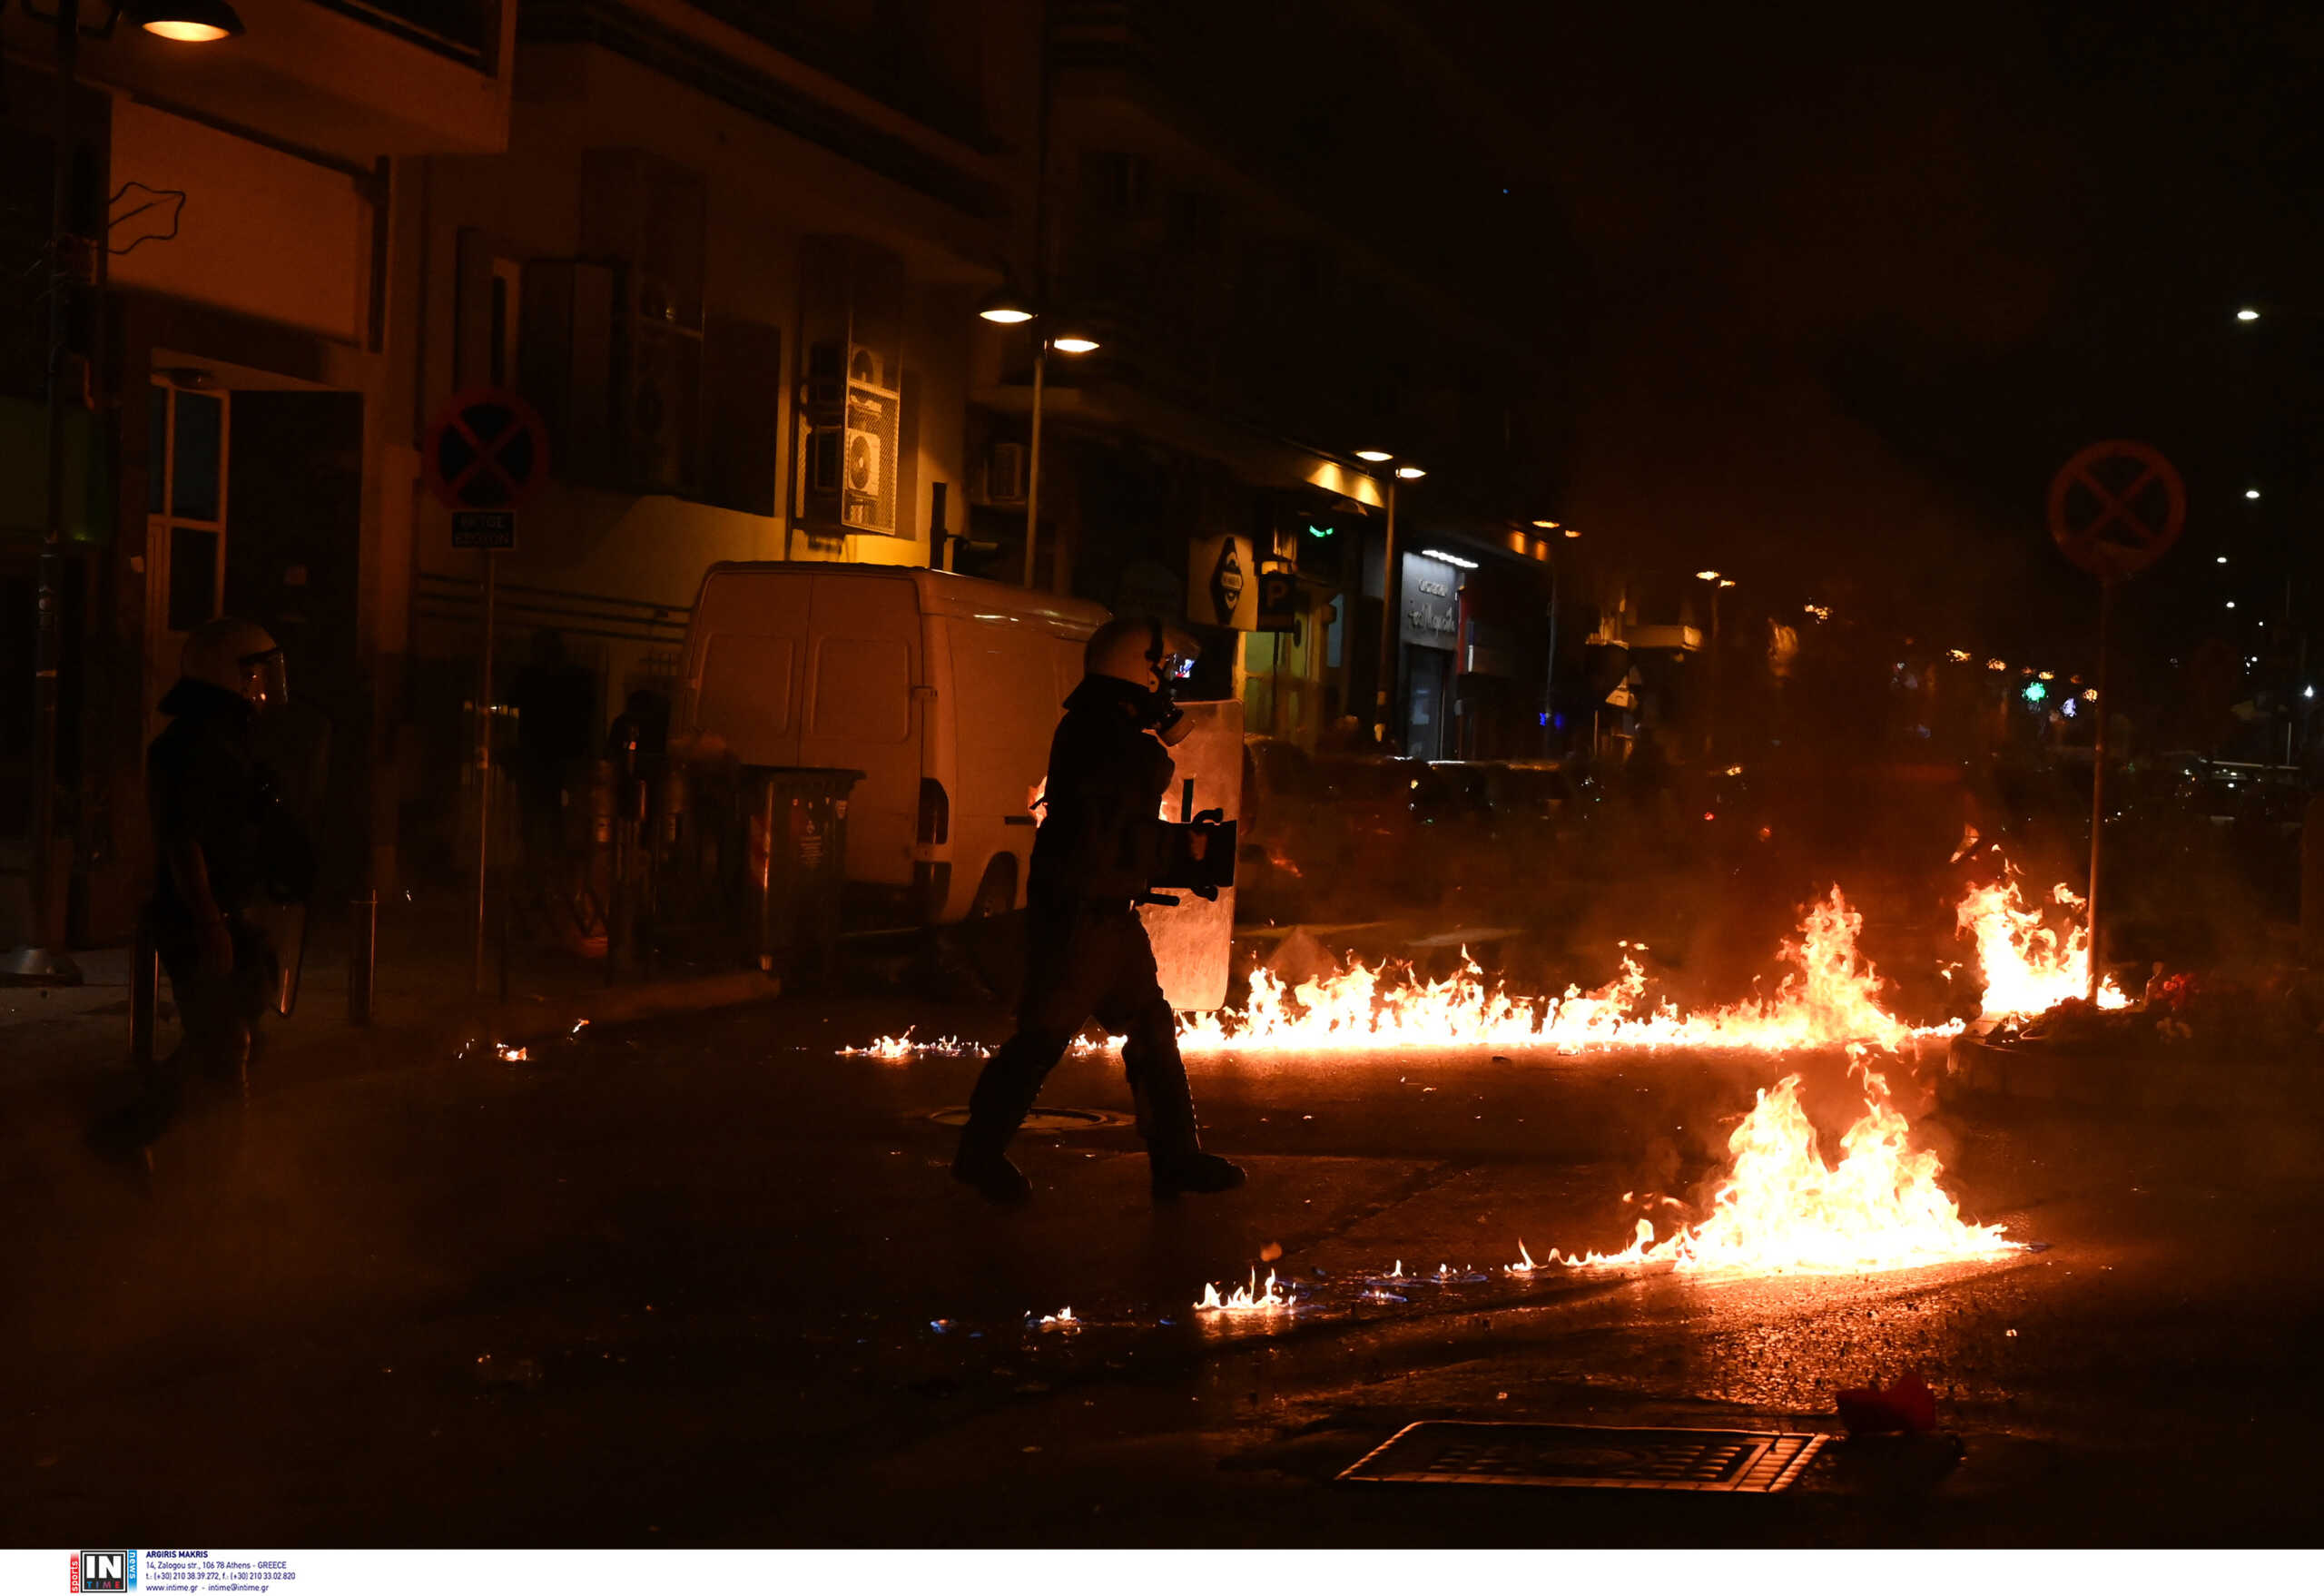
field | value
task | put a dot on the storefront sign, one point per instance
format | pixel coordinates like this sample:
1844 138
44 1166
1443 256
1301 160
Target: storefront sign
1431 610
1221 584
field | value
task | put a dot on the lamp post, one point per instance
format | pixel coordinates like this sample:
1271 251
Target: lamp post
1007 308
1717 585
1557 573
42 960
1402 471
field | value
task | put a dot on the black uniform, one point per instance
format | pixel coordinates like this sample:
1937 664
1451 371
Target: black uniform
206 787
1099 848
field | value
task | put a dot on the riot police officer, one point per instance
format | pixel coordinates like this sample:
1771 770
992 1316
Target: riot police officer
222 837
1101 846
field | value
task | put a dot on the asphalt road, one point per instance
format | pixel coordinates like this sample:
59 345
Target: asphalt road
683 1285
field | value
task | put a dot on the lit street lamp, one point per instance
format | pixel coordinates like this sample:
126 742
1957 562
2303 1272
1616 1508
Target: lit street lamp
1007 308
1389 596
42 961
1718 584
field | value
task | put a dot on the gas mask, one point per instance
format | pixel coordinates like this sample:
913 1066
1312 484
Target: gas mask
1172 660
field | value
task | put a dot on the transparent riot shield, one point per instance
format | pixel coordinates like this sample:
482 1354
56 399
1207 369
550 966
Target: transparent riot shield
1194 941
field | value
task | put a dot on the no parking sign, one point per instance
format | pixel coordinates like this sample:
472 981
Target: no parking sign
486 452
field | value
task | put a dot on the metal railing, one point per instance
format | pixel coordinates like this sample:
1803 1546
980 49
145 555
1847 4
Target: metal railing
519 608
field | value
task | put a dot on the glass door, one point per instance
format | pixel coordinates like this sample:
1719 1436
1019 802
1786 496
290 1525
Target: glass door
185 520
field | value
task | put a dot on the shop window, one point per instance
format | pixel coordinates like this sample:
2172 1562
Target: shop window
188 433
197 455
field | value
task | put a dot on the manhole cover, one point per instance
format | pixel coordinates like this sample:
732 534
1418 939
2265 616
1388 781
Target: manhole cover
1444 1453
1047 1121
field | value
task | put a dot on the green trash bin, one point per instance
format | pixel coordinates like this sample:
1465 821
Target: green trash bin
794 865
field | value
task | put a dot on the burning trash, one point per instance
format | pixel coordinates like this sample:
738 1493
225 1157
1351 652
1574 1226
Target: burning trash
2029 968
1062 1319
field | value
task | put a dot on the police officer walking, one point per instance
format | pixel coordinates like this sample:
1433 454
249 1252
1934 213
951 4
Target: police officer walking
222 836
1101 847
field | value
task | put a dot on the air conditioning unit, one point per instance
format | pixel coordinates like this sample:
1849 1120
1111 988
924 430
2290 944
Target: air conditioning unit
853 426
1004 473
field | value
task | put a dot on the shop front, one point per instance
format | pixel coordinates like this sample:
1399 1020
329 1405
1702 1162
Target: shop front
1428 630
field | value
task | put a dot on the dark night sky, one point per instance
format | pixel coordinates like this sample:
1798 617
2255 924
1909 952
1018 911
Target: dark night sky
1834 292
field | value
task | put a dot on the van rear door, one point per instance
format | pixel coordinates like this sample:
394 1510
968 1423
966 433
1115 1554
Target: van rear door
747 663
862 712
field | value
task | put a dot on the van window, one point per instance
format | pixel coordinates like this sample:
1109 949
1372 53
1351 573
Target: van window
746 690
863 689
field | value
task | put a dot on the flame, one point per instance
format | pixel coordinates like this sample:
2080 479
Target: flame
1781 1209
1036 800
2028 969
1253 1298
1062 1319
902 1049
1829 998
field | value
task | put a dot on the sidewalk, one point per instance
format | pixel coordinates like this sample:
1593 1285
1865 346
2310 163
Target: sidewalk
52 1038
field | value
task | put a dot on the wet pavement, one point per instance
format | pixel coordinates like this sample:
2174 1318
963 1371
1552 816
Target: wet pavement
706 1281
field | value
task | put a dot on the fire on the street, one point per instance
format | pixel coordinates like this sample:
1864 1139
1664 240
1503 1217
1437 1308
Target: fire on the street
1829 998
2028 967
1253 1298
1781 1209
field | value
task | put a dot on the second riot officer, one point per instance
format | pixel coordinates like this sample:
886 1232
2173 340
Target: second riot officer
1101 847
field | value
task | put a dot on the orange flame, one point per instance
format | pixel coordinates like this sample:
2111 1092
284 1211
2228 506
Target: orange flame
897 1049
1830 998
2028 967
1781 1209
1253 1298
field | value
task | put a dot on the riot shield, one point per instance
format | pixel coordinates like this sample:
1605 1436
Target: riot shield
1192 942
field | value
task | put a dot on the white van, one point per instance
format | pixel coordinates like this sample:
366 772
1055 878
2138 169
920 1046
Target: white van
943 689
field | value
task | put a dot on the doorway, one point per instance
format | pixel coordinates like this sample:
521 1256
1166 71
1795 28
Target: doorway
1428 701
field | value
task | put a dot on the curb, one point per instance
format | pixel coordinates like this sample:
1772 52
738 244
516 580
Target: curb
1976 1071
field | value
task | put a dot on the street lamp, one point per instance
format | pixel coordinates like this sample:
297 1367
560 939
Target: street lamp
1006 307
1717 585
42 961
186 22
1404 471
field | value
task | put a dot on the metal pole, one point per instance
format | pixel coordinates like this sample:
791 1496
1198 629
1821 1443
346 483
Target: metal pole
484 766
42 960
2098 781
1717 680
1549 678
1033 462
1387 681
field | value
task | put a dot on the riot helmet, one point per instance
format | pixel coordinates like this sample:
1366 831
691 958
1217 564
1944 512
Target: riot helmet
240 656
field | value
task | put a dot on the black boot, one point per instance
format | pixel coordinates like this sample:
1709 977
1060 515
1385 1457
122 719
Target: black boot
1165 1118
1004 1095
1197 1171
989 1170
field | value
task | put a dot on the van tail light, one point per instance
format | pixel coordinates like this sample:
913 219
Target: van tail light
935 812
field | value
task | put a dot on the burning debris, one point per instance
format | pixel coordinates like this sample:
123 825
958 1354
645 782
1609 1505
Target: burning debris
1062 1319
2029 968
1781 1209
